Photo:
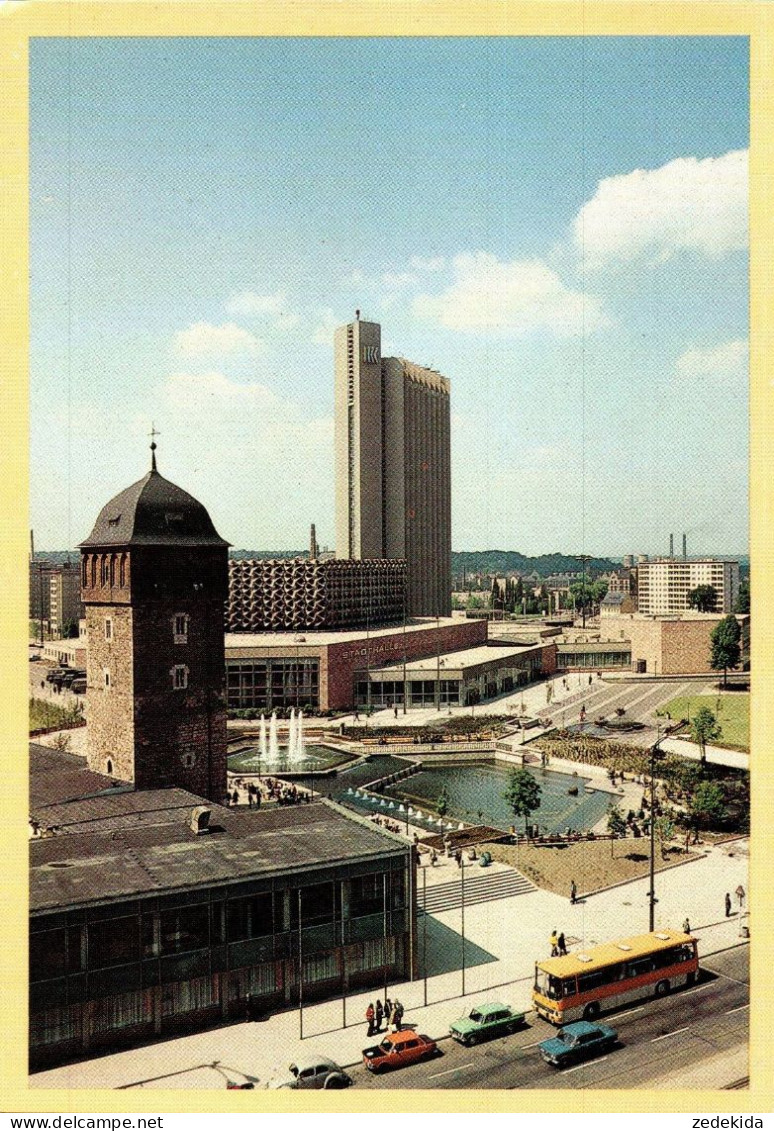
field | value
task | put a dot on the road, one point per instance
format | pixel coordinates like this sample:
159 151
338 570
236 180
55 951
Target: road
656 1038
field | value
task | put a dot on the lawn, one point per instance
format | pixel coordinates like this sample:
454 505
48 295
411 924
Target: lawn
731 709
589 863
44 715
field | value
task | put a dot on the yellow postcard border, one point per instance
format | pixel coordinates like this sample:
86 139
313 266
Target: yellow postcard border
22 19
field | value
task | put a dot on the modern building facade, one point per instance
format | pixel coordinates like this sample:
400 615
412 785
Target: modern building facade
393 464
321 670
152 913
154 576
663 584
300 594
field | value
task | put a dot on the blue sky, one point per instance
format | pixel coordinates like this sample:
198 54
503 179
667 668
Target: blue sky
557 225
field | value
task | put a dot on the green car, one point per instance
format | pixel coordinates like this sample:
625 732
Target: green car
484 1021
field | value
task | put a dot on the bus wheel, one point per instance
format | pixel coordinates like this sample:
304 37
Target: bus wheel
690 980
662 988
591 1012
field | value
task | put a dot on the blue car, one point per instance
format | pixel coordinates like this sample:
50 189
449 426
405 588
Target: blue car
576 1042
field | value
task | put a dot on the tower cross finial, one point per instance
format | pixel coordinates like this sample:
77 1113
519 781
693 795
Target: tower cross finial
153 433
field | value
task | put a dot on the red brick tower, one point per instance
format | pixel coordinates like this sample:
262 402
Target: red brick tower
154 579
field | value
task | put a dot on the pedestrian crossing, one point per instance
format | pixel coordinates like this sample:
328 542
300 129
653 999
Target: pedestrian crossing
482 888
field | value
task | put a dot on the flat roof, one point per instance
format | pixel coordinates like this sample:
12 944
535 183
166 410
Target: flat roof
619 950
149 849
309 638
460 659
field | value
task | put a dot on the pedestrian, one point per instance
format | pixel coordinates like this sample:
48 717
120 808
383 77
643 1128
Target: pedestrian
433 857
249 1008
379 1015
728 904
554 943
398 1011
395 710
573 892
686 926
370 1019
387 1011
740 894
458 858
561 945
582 714
235 797
589 681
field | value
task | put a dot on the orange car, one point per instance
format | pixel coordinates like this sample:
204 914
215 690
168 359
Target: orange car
397 1050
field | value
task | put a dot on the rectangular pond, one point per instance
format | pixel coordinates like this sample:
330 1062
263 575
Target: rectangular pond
475 791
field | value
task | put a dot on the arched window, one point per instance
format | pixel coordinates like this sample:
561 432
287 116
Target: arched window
112 570
93 570
109 766
83 571
122 571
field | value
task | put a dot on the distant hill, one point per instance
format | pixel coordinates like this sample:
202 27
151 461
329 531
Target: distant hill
500 562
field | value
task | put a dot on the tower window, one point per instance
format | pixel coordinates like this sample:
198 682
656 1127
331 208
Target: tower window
107 678
179 677
108 628
181 628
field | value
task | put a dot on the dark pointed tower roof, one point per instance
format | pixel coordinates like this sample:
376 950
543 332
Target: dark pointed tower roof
153 512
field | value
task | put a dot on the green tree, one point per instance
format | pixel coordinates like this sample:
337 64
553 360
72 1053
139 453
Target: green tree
704 728
743 597
706 807
616 824
665 831
726 652
522 793
442 803
704 598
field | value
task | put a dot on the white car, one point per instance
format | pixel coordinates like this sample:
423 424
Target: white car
312 1072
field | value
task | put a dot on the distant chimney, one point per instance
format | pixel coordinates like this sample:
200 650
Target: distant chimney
685 548
357 315
199 822
671 545
314 549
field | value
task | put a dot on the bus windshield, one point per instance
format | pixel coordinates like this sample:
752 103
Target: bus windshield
547 985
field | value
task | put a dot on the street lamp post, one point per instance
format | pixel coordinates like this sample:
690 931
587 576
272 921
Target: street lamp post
583 558
655 751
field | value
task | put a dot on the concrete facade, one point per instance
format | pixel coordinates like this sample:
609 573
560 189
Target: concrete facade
674 645
296 593
393 464
663 585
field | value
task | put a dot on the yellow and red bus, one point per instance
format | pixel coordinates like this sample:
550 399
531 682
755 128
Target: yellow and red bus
584 983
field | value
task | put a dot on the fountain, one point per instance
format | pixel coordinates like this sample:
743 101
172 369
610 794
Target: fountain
263 747
273 740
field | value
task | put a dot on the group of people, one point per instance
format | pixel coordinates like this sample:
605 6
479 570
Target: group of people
385 823
558 944
391 1013
269 789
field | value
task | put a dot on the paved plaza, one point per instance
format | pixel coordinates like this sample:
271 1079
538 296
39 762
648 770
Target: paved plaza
503 937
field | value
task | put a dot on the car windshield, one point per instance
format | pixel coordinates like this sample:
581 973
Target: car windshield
386 1044
475 1015
568 1038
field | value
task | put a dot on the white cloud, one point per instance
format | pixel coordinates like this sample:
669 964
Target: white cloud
508 298
398 279
686 205
323 332
727 361
203 339
434 263
252 304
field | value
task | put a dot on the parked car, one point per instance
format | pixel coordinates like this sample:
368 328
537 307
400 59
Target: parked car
312 1072
576 1042
397 1050
490 1020
78 686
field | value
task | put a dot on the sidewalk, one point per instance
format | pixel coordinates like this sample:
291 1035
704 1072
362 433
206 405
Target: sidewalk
502 940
